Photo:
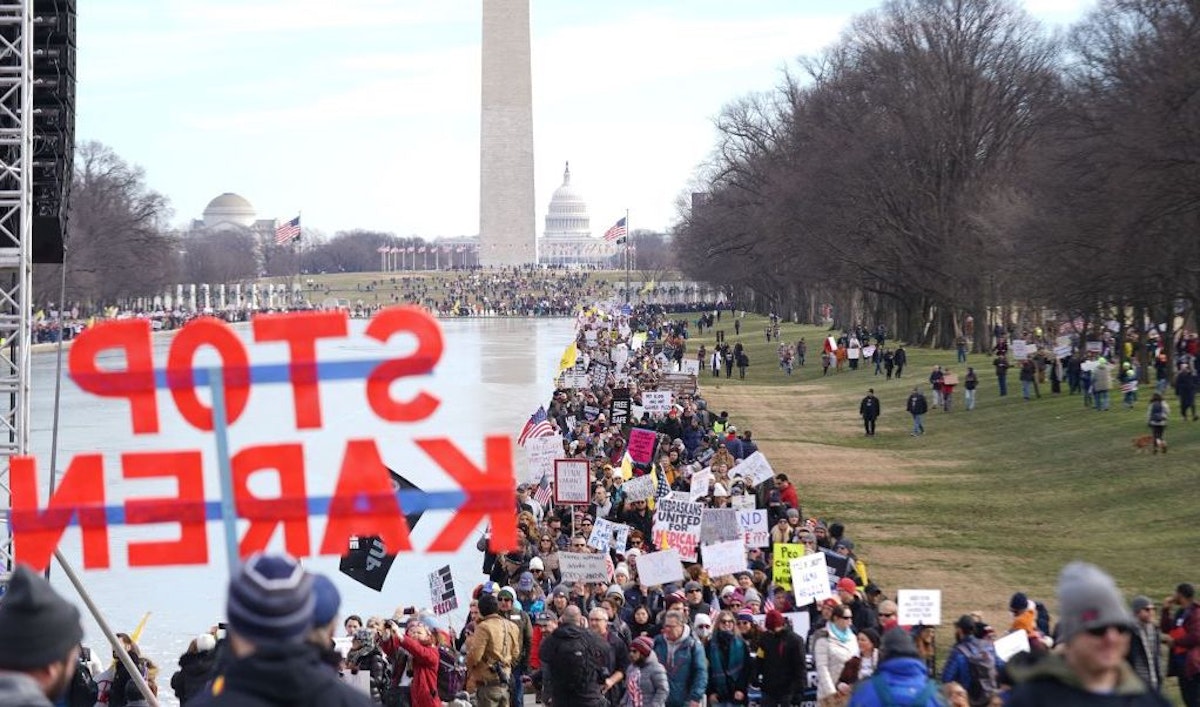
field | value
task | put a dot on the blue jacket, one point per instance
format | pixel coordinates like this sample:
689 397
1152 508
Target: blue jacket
958 667
906 679
726 679
687 672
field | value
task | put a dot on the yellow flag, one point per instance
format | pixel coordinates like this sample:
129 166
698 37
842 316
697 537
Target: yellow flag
568 358
627 466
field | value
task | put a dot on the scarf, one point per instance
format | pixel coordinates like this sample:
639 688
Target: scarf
633 685
842 635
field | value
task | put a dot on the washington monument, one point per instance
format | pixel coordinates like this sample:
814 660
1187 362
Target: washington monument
506 208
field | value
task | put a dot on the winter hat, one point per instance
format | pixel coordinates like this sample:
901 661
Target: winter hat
205 642
271 600
793 513
752 597
525 583
702 620
643 645
896 643
512 593
615 590
39 627
1087 599
328 600
621 568
1140 602
846 584
775 620
745 616
1019 603
536 564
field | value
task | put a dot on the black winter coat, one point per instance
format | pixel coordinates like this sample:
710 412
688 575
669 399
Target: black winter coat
280 675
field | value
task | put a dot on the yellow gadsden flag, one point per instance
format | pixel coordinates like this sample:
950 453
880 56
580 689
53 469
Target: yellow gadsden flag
568 358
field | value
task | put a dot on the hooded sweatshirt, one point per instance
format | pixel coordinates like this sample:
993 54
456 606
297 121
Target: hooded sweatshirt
20 690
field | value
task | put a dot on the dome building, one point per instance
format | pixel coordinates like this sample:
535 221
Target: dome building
233 212
567 239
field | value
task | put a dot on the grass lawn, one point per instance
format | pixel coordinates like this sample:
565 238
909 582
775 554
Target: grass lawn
987 502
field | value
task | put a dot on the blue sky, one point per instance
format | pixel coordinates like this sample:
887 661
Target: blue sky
365 113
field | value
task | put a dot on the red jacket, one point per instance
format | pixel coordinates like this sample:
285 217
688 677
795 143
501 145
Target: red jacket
789 497
1185 630
424 690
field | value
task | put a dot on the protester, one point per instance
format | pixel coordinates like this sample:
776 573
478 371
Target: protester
195 667
780 662
647 680
1181 622
1146 644
684 660
900 679
578 661
39 641
492 649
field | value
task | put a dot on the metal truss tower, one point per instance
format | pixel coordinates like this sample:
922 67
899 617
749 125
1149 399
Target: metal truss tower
16 236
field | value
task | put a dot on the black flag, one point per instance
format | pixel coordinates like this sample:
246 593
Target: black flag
367 560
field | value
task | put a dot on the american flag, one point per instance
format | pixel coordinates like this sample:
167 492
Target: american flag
538 425
383 249
460 249
287 231
662 489
544 493
617 231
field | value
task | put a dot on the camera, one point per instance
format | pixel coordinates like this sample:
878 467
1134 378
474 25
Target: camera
501 671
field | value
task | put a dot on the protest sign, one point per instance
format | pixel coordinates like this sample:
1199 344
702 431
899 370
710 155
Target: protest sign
1095 347
919 607
868 351
701 484
658 401
641 445
660 567
753 525
810 578
1062 351
591 412
619 409
639 488
572 482
837 565
1011 644
589 338
781 555
754 468
719 525
583 566
743 502
441 591
724 557
363 502
690 367
540 453
678 383
607 535
1020 349
576 379
677 525
800 622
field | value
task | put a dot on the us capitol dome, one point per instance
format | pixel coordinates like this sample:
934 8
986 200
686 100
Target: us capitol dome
567 239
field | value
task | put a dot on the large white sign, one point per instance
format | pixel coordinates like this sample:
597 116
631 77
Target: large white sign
753 524
754 468
919 607
575 379
583 567
724 558
701 484
572 482
1012 644
639 488
607 535
690 367
810 578
658 401
540 453
658 568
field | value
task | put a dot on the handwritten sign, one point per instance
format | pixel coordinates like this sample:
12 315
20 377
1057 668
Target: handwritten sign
724 558
441 591
810 578
701 484
607 535
540 453
753 468
1011 644
576 380
1021 349
753 525
572 482
658 568
641 445
919 607
690 367
639 488
781 556
719 525
363 502
677 525
658 401
583 567
743 502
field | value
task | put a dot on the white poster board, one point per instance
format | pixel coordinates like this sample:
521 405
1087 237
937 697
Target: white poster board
639 488
724 558
753 524
810 578
1011 644
572 482
583 567
607 535
540 453
575 379
701 484
1020 349
743 502
690 367
658 401
755 468
660 567
919 607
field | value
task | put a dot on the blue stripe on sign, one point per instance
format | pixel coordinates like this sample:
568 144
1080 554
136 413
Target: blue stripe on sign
410 502
279 372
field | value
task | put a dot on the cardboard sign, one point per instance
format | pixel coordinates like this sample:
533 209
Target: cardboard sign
677 525
719 525
701 484
641 445
781 556
363 503
607 535
690 367
1020 349
583 567
572 482
743 502
658 401
658 568
754 468
540 453
724 557
441 591
753 525
639 488
921 607
810 578
1011 644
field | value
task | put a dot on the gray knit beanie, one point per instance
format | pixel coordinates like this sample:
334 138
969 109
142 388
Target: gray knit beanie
1088 598
271 600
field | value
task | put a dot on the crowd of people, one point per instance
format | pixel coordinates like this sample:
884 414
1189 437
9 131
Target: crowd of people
540 621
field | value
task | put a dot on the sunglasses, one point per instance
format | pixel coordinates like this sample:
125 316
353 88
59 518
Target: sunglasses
1102 631
726 621
845 616
886 616
698 591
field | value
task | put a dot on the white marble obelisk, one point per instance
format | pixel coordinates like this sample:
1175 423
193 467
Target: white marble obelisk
507 225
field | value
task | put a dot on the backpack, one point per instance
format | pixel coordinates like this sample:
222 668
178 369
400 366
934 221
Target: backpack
451 675
984 683
576 669
1043 619
1157 415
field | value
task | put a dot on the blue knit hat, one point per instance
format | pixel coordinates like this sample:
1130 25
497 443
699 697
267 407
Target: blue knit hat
328 600
271 600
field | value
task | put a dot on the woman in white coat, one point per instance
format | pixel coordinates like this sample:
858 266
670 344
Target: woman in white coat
836 645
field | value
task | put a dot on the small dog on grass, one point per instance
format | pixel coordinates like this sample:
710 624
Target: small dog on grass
1143 442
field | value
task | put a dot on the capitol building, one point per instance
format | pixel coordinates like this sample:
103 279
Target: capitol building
568 239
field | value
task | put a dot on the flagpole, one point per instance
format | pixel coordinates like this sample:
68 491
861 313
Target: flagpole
628 234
